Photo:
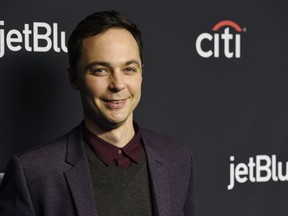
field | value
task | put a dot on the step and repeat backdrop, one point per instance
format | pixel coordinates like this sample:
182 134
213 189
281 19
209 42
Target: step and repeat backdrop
215 78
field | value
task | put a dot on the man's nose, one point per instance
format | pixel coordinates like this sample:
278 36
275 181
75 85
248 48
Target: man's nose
116 81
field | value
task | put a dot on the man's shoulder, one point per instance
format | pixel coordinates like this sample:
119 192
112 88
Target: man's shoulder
53 150
155 136
162 142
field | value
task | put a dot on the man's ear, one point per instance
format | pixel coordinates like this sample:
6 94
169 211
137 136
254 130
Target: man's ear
73 78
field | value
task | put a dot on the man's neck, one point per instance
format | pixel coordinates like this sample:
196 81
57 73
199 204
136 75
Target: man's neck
118 136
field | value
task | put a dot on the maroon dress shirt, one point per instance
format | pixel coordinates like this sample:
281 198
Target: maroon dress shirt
110 154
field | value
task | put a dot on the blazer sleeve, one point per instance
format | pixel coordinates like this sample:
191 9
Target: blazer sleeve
189 207
14 193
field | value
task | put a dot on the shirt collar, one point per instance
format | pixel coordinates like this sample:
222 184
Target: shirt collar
107 152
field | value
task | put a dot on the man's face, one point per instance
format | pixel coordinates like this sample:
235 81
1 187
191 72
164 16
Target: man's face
109 77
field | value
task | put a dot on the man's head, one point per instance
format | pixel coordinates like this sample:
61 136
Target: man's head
106 67
98 23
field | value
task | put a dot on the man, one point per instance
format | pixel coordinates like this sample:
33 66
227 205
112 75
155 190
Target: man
107 165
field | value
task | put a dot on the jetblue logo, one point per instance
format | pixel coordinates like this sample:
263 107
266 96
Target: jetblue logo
38 37
261 168
225 40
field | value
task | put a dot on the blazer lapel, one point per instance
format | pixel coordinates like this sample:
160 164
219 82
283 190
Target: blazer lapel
78 176
159 177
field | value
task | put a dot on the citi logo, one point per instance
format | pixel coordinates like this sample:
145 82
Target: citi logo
38 37
227 42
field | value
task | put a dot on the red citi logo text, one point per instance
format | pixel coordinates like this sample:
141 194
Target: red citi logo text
227 41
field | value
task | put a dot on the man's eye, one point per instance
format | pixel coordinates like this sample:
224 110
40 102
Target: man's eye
98 71
130 70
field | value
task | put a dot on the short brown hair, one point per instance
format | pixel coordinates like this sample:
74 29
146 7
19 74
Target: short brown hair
97 23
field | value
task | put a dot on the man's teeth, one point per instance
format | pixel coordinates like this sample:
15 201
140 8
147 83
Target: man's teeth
114 101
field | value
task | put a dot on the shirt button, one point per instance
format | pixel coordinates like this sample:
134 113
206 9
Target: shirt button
119 151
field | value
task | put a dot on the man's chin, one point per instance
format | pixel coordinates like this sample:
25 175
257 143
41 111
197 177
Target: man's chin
109 120
117 122
114 122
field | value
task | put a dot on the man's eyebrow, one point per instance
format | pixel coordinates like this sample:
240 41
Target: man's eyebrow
132 62
106 64
96 63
